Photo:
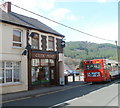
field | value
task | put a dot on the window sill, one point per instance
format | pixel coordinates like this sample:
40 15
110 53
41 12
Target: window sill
50 50
14 47
10 84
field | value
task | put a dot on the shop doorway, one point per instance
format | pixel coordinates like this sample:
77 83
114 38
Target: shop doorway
52 75
43 72
43 75
40 75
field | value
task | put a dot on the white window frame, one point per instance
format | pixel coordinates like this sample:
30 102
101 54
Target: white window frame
38 41
53 49
15 42
12 68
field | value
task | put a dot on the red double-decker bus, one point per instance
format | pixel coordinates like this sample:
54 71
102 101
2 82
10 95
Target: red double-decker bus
98 70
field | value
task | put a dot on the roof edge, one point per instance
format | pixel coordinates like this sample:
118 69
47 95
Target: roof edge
8 22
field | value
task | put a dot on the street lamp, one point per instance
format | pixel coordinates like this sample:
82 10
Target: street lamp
28 47
62 43
116 43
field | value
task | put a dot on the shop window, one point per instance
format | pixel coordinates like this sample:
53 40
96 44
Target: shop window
40 74
51 43
52 74
9 72
35 62
52 62
35 41
17 38
44 62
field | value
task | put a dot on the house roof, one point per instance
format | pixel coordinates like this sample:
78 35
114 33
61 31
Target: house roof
24 21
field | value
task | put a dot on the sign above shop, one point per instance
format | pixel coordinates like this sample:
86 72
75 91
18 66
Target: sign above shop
43 56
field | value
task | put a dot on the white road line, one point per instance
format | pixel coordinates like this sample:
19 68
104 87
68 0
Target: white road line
63 103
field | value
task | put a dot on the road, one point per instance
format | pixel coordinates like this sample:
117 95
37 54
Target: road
101 94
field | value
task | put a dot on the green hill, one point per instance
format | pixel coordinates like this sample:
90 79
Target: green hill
87 50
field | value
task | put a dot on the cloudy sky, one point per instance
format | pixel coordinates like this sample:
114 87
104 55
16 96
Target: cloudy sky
96 17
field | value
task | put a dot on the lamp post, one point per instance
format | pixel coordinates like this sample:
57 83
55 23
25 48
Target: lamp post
116 43
62 43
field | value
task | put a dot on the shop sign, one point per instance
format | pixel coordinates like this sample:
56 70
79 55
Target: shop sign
43 56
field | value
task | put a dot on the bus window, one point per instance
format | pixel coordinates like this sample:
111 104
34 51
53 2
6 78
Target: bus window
107 66
93 66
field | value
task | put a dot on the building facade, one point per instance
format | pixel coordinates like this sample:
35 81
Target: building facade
31 53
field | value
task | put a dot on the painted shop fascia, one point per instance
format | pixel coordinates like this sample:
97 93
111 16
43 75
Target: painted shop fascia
30 57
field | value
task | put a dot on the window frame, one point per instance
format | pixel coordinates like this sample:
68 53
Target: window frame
35 39
16 42
4 68
53 42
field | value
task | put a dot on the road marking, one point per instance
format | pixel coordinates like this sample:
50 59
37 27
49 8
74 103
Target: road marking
43 94
91 92
63 103
22 98
14 100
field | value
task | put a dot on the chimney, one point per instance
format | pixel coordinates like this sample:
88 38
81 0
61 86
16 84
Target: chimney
6 6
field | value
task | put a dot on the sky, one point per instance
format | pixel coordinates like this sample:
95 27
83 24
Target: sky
96 17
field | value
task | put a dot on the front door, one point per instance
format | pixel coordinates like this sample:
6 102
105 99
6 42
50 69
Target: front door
52 75
44 75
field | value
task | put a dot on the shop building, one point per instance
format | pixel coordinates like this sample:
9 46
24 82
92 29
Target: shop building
31 54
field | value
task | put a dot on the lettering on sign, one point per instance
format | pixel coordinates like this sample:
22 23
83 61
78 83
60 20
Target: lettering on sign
43 56
39 55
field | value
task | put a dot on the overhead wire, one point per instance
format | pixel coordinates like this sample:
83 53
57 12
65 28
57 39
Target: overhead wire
63 24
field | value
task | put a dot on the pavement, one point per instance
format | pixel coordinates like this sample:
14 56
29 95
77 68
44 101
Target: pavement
39 91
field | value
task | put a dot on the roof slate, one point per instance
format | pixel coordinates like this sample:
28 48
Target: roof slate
21 20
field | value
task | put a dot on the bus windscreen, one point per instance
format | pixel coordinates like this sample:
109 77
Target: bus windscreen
93 66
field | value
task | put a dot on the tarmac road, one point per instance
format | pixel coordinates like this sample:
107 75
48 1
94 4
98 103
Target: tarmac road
81 95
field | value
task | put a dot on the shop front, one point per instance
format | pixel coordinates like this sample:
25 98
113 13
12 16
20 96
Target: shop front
42 69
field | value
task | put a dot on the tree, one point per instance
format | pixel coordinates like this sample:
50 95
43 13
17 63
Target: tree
81 66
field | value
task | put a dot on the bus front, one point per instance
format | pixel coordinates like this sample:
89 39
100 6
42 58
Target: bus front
93 70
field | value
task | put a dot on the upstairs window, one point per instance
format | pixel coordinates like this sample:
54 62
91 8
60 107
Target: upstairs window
51 43
17 38
35 41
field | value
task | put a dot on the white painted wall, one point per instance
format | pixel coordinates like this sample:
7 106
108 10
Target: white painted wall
61 68
9 53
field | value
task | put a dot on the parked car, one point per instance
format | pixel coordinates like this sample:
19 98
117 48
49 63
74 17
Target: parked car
73 72
66 72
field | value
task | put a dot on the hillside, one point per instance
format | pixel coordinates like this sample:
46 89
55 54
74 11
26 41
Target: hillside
87 50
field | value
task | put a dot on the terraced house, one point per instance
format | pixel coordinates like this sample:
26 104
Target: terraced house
31 53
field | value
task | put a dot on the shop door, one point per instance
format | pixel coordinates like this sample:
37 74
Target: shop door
44 75
52 75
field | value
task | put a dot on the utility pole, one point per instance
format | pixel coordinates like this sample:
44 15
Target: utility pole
116 43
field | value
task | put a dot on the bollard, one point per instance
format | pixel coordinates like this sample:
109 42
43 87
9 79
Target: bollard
66 79
73 78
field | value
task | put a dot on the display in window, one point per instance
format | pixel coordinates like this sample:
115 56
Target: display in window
35 62
52 62
40 75
52 74
10 72
16 75
1 75
34 74
44 62
8 75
